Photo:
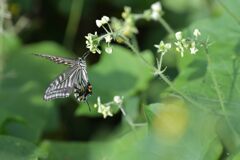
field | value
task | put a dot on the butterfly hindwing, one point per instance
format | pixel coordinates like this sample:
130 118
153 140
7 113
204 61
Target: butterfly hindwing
82 93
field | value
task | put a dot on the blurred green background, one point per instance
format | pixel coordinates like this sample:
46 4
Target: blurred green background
203 126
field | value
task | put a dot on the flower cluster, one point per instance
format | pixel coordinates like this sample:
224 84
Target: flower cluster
183 44
125 26
163 47
102 21
93 40
120 30
105 109
156 10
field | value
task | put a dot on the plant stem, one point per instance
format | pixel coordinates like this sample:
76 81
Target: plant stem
127 42
165 79
2 16
129 120
73 21
235 68
166 25
187 98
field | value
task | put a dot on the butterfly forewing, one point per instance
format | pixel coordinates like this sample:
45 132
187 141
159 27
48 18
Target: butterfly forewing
58 60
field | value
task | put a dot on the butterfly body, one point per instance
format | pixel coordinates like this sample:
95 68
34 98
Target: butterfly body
73 80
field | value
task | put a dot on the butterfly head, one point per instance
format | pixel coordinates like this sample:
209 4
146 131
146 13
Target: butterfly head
81 62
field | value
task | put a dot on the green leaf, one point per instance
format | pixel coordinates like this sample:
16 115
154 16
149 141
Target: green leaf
25 79
180 132
212 80
16 149
122 147
151 111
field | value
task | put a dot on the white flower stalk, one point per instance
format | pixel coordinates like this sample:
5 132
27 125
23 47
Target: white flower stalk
156 9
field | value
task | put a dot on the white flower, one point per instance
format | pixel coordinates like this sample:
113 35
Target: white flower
156 7
193 49
103 109
105 19
163 48
106 111
156 10
185 43
196 33
155 15
178 36
108 38
168 45
118 99
179 48
108 49
99 23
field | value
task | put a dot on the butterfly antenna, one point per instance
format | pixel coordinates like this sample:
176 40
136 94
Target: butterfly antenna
85 55
88 106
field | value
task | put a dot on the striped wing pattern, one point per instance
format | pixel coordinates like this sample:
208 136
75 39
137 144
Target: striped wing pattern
73 80
62 86
58 60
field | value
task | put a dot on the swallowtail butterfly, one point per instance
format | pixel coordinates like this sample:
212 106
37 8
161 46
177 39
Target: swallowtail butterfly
73 80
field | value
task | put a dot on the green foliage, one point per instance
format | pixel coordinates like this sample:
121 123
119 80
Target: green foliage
13 148
212 80
196 117
21 96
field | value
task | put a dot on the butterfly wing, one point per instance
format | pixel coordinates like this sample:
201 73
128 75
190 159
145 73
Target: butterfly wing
63 85
58 60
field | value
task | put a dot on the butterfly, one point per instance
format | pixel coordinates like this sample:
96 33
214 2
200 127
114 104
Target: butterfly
73 80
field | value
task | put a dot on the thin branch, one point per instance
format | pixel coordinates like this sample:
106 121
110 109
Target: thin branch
166 25
235 68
